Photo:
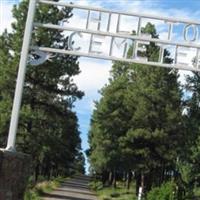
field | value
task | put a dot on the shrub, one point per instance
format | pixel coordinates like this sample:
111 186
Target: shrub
115 194
34 192
96 185
165 192
31 195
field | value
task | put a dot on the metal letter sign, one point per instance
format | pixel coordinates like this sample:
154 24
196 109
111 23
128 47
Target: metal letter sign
103 35
108 40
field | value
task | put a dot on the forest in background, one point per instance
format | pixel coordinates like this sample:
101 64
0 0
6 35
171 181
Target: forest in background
145 129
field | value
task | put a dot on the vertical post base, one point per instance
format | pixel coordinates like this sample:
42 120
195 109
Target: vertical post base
14 173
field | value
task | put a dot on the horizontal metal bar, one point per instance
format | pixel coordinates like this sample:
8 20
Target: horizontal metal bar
168 19
101 56
133 37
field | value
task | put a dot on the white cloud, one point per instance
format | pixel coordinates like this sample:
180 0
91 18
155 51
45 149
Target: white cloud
183 74
85 2
5 14
94 74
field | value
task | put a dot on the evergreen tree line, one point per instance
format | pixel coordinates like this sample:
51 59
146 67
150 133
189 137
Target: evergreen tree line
48 126
146 126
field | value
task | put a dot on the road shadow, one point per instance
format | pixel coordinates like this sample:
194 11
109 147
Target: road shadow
75 185
75 192
59 196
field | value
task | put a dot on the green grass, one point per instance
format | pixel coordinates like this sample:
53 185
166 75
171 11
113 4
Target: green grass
34 193
197 191
119 193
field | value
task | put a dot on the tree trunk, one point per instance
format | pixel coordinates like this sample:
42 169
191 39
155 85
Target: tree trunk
104 177
110 179
114 179
141 188
129 178
138 181
36 172
124 178
142 182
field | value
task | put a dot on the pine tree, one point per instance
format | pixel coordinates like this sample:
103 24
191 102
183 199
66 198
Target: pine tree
138 120
189 159
48 128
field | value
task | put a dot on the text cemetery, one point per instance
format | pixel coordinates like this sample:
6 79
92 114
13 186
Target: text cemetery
102 35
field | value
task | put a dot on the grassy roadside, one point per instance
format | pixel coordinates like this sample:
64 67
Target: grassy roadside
34 193
167 191
110 193
117 194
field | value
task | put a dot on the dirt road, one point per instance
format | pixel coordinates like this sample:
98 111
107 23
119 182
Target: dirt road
73 189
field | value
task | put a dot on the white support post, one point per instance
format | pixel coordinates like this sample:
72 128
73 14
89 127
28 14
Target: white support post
21 77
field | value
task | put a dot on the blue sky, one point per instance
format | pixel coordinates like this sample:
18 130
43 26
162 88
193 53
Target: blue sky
95 72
